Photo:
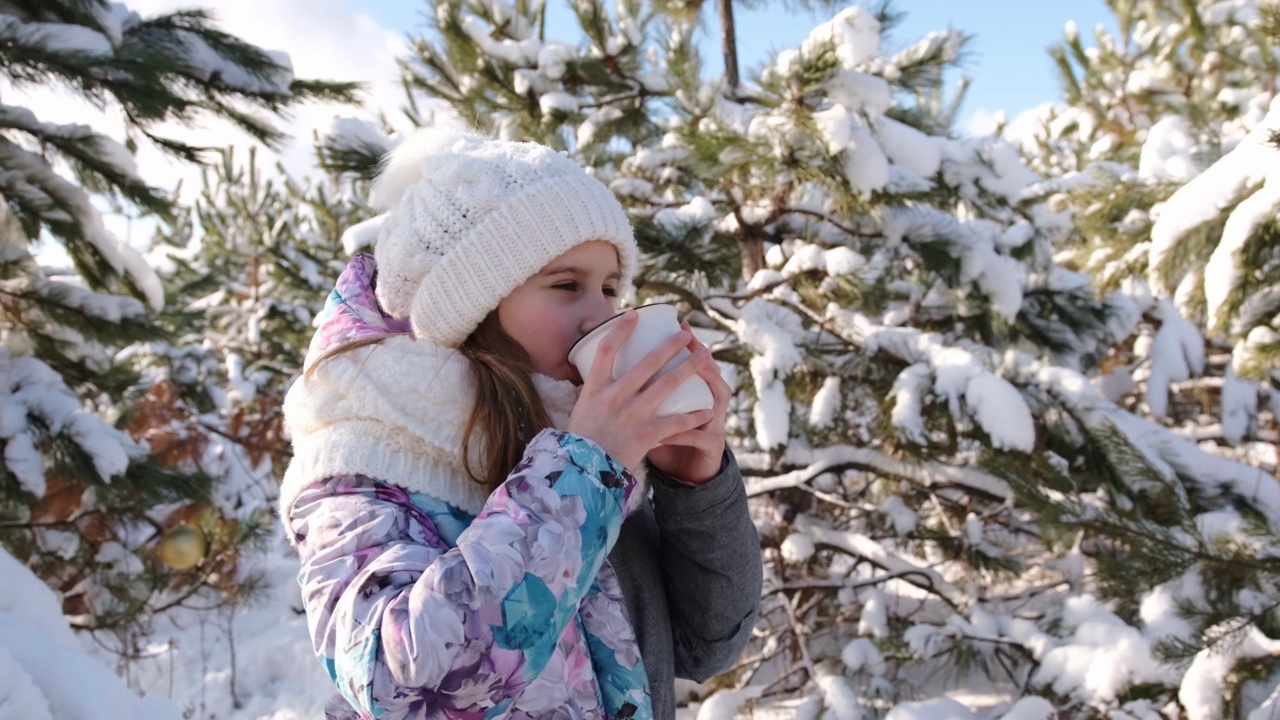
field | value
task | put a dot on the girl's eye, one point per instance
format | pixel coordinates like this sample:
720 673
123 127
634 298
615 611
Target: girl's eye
572 286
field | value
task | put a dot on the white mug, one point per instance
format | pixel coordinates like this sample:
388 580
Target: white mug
656 323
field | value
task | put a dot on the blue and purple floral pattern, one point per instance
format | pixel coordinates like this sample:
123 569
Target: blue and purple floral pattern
351 313
418 610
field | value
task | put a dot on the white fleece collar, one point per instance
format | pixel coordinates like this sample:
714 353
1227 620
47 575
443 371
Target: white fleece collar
394 411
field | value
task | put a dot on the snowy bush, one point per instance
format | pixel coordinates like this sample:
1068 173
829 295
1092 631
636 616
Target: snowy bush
1162 146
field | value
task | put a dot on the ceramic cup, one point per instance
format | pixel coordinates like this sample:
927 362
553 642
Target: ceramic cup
657 322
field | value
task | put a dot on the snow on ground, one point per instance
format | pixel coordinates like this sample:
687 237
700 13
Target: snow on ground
45 674
275 674
256 663
264 649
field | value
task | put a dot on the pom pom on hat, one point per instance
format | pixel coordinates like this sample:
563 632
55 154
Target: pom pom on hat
402 167
469 219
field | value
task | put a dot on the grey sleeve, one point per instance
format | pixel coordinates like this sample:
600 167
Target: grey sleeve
710 557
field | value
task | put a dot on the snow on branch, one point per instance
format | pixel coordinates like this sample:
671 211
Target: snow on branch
1205 197
79 299
89 148
1000 277
960 375
53 39
927 474
31 390
211 63
861 546
66 210
1206 683
771 331
1210 472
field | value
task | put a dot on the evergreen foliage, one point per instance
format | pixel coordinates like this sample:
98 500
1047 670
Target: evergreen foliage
1163 144
246 269
97 494
945 499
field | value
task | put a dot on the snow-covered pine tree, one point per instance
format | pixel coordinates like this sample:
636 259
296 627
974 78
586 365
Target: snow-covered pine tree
97 512
1162 143
245 271
253 261
1204 62
936 480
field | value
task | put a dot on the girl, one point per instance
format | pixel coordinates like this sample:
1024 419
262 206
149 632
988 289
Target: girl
476 536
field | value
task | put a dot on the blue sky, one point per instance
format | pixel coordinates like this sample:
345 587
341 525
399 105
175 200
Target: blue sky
1008 63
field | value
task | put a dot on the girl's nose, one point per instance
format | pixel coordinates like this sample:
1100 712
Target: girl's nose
600 311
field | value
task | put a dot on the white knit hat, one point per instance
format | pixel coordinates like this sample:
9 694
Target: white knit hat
469 219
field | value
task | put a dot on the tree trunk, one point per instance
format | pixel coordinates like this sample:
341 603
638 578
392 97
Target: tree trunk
752 249
729 44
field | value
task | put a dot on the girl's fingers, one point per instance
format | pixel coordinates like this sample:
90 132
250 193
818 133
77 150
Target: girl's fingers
687 438
707 367
667 383
607 351
720 390
676 427
693 341
649 365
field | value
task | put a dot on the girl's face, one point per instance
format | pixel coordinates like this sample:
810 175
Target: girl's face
553 309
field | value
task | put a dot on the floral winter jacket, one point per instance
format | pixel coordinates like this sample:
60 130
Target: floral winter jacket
426 600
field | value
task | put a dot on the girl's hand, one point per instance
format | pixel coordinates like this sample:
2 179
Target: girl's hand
620 416
694 455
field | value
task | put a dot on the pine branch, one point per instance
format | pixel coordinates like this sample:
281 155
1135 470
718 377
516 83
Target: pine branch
326 91
93 155
930 475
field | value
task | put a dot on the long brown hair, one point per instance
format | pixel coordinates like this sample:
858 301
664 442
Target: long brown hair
508 410
345 348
